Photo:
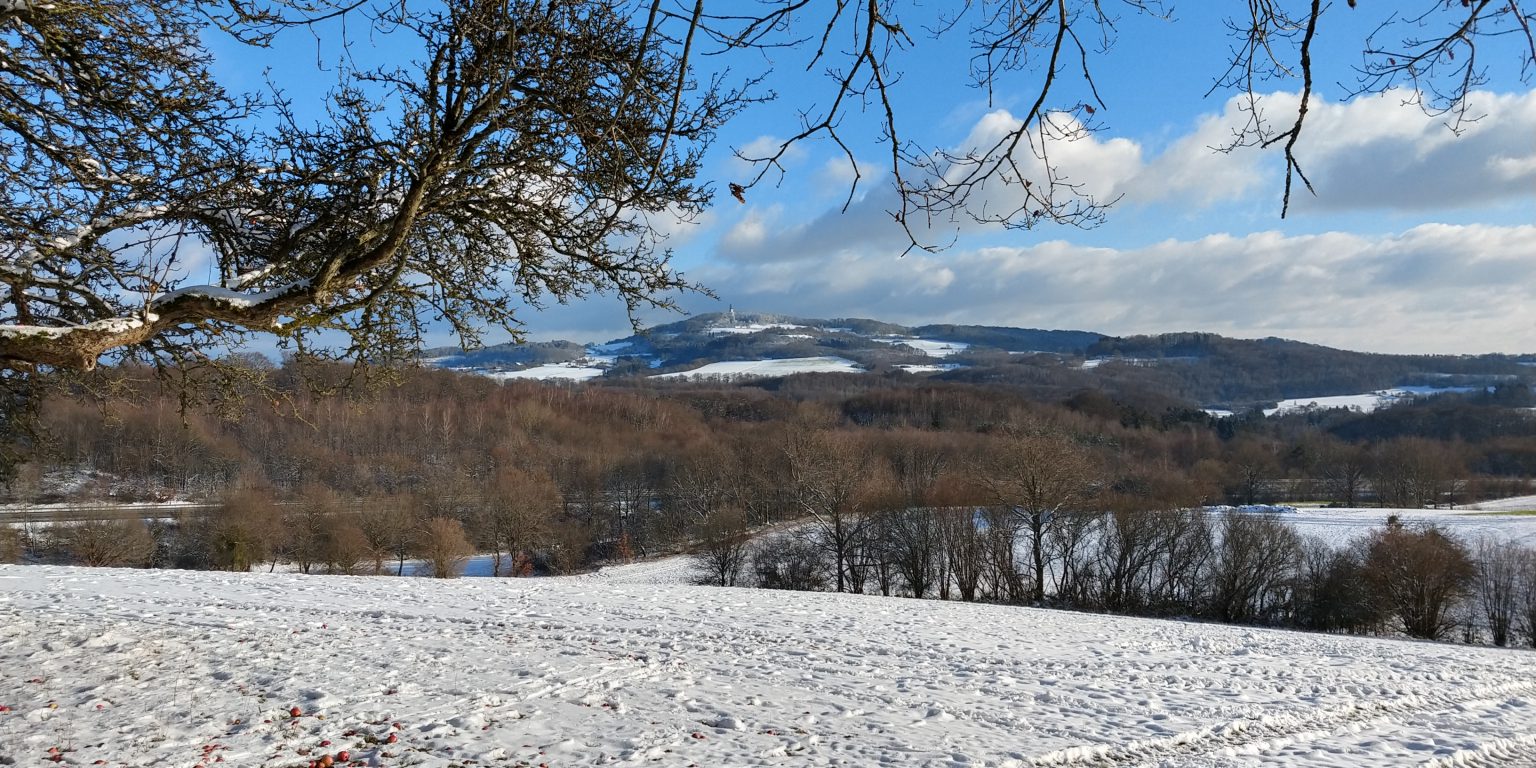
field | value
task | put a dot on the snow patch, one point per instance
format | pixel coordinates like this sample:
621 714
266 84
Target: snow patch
553 371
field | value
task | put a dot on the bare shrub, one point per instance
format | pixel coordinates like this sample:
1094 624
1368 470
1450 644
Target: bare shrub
344 546
444 546
10 545
568 546
242 532
1418 575
108 543
790 562
1331 594
722 549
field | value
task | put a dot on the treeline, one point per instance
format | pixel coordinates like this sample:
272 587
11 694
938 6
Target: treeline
318 532
1226 566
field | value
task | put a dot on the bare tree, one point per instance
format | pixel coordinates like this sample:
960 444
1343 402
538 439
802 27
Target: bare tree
568 545
1254 569
1344 469
964 552
1002 578
1332 595
1126 560
1416 472
722 550
1527 591
1499 565
1187 542
515 515
916 544
828 477
1069 543
242 531
307 525
524 156
1038 478
390 524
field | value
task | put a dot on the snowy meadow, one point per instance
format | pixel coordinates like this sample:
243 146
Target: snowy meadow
630 667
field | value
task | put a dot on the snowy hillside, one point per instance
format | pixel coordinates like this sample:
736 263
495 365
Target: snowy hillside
170 668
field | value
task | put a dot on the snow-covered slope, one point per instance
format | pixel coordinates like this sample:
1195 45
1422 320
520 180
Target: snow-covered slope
169 668
1365 402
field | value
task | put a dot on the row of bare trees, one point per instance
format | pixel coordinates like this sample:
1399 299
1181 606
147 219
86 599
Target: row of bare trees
1227 566
313 535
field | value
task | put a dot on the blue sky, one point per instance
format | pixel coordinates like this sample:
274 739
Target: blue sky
1418 240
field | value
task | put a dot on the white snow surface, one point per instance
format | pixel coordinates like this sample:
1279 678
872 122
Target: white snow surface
1364 402
731 369
178 668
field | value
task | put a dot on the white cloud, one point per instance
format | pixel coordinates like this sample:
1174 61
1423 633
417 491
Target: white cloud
837 176
1432 288
762 147
1379 152
751 230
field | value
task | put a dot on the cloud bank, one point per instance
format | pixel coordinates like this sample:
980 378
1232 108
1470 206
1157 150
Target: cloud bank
1433 288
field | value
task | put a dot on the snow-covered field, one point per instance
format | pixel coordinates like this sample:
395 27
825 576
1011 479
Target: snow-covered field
1488 520
929 347
170 668
1364 402
731 369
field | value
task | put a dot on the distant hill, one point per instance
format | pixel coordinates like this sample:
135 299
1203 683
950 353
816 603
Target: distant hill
1197 369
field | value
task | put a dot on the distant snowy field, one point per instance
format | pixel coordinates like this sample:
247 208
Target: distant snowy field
169 668
731 369
557 371
929 347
